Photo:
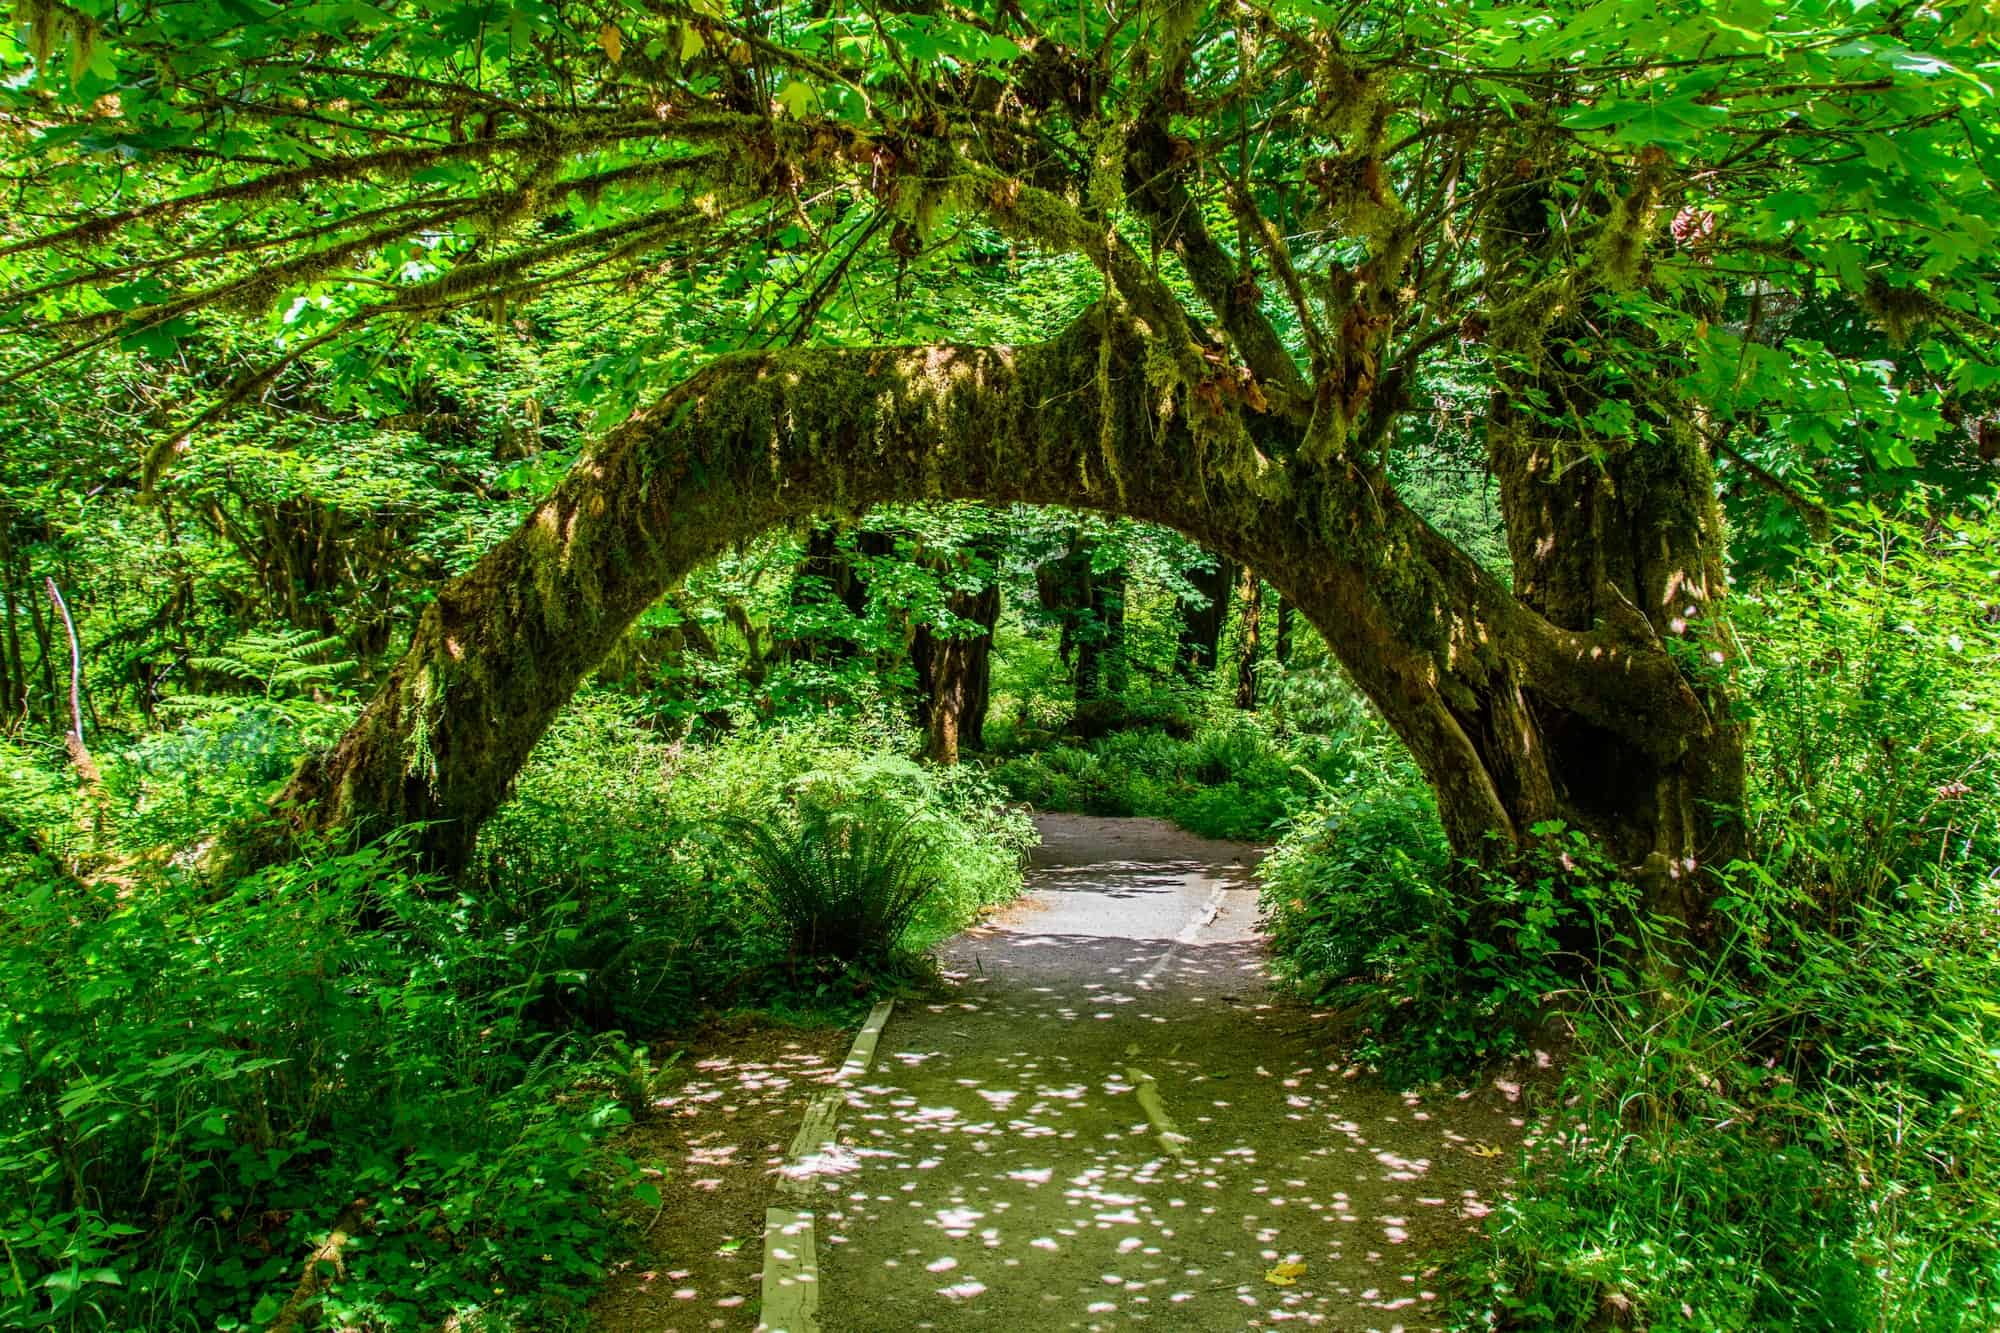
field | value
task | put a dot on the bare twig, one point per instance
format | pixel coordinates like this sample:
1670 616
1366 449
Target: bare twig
79 755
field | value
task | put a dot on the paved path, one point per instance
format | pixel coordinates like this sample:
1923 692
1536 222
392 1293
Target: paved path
1115 1121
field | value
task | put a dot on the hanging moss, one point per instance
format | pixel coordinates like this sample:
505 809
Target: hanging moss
1618 253
1899 311
1348 101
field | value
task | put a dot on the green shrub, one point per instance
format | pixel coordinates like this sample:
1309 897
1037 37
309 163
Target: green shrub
1232 780
1798 1132
194 1087
846 881
611 850
1797 1136
1441 969
197 1081
1356 883
1792 1124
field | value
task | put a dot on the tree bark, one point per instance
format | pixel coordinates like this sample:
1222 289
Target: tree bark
1448 655
1616 535
955 671
955 675
1089 607
1100 651
1253 625
829 576
44 648
1201 619
14 692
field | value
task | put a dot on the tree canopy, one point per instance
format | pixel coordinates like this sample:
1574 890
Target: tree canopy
1244 243
1297 195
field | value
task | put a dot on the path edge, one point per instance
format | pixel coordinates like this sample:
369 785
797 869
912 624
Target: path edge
791 1261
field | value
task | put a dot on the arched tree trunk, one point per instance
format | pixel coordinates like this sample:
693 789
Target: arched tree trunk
1464 673
1620 534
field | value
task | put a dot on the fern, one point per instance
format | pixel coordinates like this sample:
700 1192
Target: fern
280 663
848 882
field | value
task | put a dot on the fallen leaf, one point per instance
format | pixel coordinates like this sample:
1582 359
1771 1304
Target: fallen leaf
1482 1150
1285 1274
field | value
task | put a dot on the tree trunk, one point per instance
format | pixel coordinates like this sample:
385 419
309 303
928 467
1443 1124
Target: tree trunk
1282 648
1201 619
1089 607
1100 654
1253 624
1463 672
14 695
829 576
979 668
1620 536
955 675
41 628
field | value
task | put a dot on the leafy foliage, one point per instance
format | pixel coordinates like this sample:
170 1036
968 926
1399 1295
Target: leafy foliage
194 1090
274 662
614 853
1787 1122
847 882
341 290
1228 781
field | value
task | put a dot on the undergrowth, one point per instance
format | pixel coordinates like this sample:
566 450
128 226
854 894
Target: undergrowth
618 846
1231 780
1790 1125
847 881
199 1083
195 1088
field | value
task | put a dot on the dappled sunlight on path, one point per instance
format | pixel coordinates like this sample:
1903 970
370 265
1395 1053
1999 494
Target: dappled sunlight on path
1114 1120
714 1142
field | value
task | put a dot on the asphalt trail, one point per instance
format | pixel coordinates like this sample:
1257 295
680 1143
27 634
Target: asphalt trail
1114 1120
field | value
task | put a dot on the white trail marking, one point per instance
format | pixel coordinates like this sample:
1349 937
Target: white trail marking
791 1260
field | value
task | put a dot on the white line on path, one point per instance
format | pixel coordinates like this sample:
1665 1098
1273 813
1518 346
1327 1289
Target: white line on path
791 1262
1155 1108
1195 923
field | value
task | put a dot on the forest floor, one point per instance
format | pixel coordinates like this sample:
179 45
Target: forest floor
1108 1117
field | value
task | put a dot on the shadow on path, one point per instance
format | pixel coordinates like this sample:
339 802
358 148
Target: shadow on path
1115 1120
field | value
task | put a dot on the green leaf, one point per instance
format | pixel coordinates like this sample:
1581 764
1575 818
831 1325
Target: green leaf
1903 60
1670 123
798 99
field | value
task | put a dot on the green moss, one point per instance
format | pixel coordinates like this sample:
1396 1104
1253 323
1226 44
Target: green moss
1348 98
1619 250
1900 311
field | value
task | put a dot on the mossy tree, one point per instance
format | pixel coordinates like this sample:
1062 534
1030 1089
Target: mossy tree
1263 226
